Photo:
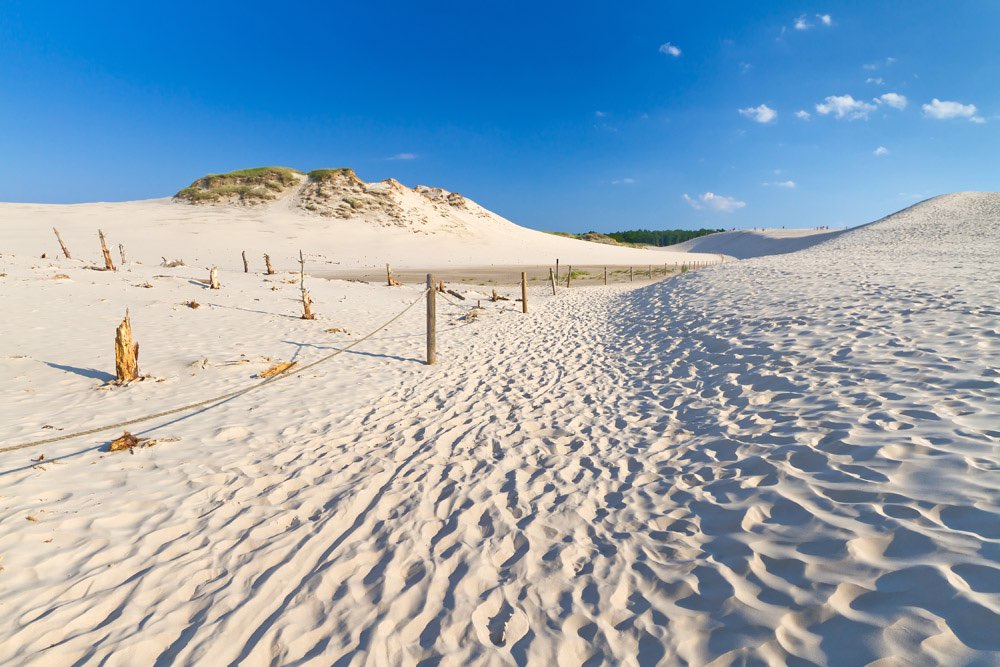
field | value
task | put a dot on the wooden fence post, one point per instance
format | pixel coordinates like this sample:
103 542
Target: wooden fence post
650 271
61 244
631 276
552 279
605 276
431 321
213 278
388 275
569 275
267 263
108 264
524 292
121 251
246 267
557 270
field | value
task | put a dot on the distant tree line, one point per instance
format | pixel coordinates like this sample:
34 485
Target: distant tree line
661 237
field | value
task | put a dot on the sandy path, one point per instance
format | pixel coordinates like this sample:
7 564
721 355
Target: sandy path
787 459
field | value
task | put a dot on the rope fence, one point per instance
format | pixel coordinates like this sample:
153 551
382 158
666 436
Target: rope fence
432 290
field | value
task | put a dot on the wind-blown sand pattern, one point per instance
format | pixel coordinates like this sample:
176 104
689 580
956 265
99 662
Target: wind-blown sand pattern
785 460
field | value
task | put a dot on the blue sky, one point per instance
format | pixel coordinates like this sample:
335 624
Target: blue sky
560 115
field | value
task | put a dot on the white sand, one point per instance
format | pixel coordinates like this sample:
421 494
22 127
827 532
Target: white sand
792 458
746 243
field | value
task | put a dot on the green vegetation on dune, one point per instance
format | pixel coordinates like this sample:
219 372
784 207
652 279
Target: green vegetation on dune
640 237
248 185
324 174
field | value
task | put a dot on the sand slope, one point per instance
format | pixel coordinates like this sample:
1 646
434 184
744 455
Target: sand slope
788 459
743 243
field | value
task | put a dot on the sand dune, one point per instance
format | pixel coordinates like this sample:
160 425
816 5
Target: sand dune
743 243
791 459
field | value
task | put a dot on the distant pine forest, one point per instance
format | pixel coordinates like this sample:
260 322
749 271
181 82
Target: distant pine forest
642 237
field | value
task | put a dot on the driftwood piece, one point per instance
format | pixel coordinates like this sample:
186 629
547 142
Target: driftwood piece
126 353
277 369
108 264
455 294
62 245
267 263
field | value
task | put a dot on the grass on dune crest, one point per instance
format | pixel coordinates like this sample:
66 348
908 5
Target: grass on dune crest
247 185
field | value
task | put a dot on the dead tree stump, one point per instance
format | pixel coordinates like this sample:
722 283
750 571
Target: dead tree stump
126 353
108 264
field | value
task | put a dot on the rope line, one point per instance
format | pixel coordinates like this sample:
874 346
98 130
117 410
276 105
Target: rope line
217 399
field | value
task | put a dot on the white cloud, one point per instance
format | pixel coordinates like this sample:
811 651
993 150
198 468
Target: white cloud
669 49
404 156
745 67
714 202
979 120
895 100
845 106
760 114
802 114
788 185
825 19
880 151
802 24
945 110
877 80
600 114
623 181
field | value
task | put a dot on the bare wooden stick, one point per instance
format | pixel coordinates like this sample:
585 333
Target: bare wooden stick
267 263
307 313
108 264
213 278
61 244
126 353
431 321
246 266
605 275
552 279
631 277
121 251
524 292
569 274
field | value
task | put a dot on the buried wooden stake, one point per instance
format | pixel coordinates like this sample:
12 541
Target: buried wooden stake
246 266
605 276
569 274
121 251
126 353
267 263
524 292
557 270
631 276
108 264
650 271
213 278
61 244
388 275
552 279
431 321
307 313
441 286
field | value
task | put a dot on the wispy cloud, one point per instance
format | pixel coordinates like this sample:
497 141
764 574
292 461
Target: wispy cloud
880 151
745 67
714 202
760 114
623 181
894 100
600 114
788 185
845 106
802 114
946 110
403 156
877 80
802 22
669 49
